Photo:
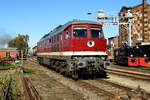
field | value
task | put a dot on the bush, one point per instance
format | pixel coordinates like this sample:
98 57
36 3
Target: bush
28 71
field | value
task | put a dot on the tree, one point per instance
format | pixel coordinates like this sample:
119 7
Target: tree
20 42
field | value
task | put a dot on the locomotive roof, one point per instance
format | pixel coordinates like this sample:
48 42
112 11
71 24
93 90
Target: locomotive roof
60 28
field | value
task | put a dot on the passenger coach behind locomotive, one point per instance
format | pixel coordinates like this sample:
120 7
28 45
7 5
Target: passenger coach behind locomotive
131 56
75 49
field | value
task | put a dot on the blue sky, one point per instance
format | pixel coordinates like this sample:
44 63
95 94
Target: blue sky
38 17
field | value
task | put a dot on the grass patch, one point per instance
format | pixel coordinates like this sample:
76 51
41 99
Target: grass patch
48 85
13 81
6 65
28 71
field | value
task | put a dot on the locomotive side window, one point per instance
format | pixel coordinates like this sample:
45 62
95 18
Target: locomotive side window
67 35
50 40
80 32
97 33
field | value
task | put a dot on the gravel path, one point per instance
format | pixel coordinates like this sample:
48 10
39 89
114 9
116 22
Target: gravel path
130 82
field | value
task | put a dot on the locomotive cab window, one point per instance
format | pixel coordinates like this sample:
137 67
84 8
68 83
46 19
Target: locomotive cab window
80 32
97 33
67 35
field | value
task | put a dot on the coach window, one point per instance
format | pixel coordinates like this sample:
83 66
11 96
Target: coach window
80 32
97 33
67 35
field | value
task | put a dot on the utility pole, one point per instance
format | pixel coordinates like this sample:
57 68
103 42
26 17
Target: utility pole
21 58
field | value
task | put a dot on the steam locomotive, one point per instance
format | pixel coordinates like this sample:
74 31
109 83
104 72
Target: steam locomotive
75 49
130 56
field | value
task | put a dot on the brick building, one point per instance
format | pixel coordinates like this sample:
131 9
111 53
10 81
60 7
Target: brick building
140 33
8 52
34 50
112 44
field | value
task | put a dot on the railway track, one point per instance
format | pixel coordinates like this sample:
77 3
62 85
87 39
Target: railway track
144 77
85 88
88 90
31 92
7 91
86 84
145 68
136 69
94 89
4 68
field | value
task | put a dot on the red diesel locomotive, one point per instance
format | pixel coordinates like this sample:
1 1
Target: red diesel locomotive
76 49
130 56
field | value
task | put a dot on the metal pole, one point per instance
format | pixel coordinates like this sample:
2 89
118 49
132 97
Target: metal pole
129 34
21 57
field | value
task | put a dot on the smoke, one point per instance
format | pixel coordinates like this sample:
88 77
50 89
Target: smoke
4 38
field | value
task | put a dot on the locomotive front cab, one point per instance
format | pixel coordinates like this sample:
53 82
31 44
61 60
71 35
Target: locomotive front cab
88 38
89 46
138 58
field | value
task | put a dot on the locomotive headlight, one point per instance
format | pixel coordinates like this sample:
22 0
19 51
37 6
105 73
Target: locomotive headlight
131 55
145 55
90 43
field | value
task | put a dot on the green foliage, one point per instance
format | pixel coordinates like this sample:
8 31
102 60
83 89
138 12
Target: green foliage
21 42
49 85
28 71
4 64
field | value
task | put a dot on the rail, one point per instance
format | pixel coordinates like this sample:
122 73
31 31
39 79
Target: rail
30 89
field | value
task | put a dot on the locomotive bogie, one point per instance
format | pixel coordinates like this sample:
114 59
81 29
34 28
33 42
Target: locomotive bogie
75 66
